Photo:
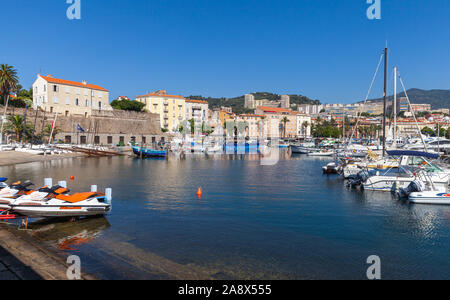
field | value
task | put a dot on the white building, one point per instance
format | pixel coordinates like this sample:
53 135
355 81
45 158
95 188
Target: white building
68 97
197 110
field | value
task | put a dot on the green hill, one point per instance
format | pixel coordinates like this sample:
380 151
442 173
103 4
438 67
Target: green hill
437 98
237 103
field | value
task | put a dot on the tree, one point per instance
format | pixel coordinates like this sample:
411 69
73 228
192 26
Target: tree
305 125
8 81
16 125
428 131
284 121
48 130
129 105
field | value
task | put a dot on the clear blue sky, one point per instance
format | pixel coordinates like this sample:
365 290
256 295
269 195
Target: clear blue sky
324 49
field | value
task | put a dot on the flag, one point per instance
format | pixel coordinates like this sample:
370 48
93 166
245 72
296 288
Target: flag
79 128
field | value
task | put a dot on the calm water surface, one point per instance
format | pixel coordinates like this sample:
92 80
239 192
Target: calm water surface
286 221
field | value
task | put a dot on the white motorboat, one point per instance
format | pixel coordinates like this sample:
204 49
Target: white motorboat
430 197
400 178
321 153
12 192
76 205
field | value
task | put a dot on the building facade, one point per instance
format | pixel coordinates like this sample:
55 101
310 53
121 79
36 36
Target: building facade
170 108
197 110
285 101
68 97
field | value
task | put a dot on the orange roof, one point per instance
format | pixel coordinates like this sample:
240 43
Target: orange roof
196 101
252 115
275 109
73 83
160 93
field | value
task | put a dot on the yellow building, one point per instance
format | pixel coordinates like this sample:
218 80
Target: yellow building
170 108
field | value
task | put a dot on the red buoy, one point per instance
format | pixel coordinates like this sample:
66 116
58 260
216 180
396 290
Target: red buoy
199 192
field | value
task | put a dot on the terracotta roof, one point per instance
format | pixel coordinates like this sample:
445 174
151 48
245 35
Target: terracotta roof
275 109
252 115
51 79
160 93
196 101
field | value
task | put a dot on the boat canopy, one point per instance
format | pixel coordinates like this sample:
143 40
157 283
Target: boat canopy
3 179
412 153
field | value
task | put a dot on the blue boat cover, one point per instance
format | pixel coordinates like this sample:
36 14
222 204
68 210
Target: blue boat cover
412 153
3 179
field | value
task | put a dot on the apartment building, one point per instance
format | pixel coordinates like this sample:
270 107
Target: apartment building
170 108
255 125
275 127
68 97
197 110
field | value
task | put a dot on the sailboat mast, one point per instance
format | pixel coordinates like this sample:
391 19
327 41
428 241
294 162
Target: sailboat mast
395 106
384 100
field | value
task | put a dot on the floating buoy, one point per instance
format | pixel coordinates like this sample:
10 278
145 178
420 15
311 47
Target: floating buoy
199 192
72 178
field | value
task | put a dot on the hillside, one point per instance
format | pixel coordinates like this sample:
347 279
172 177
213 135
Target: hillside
237 103
437 98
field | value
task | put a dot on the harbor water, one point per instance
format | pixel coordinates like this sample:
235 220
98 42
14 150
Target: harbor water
253 221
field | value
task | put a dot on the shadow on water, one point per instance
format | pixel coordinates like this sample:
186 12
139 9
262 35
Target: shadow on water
285 221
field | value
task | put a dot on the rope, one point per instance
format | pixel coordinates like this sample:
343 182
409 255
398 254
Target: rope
413 112
365 101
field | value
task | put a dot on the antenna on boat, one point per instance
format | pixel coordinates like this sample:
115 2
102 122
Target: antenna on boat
385 100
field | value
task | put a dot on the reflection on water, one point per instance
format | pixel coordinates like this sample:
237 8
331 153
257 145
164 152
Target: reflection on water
286 221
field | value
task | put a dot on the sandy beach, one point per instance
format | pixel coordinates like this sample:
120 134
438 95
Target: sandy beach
13 157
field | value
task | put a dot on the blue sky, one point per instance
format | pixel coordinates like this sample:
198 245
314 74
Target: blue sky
324 49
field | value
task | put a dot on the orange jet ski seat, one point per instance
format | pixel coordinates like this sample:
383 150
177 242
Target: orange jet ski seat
75 198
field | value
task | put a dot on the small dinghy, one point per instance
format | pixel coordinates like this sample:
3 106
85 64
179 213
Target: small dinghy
138 151
332 168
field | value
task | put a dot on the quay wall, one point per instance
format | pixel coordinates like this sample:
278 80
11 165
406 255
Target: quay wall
105 127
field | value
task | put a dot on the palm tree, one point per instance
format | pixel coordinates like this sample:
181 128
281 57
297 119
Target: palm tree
305 126
48 130
16 125
284 122
8 81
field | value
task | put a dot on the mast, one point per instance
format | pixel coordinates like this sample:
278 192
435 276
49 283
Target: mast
384 100
395 106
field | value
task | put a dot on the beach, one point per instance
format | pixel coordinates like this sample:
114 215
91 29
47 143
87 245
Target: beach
8 158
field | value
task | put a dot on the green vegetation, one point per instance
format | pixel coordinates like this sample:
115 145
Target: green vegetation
434 132
437 98
8 81
129 105
237 103
16 125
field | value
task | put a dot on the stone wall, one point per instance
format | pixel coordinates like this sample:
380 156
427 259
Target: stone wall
102 127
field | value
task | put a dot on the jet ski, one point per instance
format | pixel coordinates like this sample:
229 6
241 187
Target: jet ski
12 192
63 205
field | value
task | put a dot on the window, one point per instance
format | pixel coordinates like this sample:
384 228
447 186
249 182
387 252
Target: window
67 113
45 87
55 88
83 139
67 90
110 140
99 94
86 92
87 103
133 139
51 109
144 140
122 139
78 91
77 102
100 105
93 93
97 140
68 139
67 101
55 100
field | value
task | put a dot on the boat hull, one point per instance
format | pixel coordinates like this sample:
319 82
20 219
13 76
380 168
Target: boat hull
55 211
430 198
147 153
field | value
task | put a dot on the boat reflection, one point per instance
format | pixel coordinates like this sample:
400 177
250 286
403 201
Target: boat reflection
66 235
